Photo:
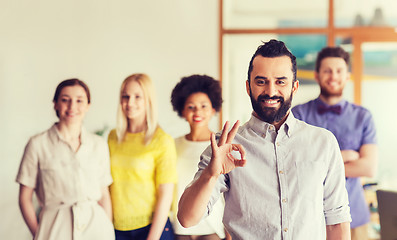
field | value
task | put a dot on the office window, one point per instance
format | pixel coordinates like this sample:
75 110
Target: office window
248 14
379 96
360 13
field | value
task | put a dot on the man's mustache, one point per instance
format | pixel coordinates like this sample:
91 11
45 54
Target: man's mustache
267 97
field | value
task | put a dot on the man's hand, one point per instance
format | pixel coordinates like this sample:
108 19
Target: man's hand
194 200
222 160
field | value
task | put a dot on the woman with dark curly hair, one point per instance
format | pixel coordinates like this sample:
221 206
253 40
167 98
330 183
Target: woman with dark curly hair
196 98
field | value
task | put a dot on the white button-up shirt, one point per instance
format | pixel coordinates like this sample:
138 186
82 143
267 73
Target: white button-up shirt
292 186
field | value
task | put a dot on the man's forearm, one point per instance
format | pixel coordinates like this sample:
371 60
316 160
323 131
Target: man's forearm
340 231
194 200
365 165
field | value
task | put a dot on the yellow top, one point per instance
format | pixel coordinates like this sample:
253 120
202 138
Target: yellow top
137 170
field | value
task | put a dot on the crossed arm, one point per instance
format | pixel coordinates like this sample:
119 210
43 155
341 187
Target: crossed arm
362 163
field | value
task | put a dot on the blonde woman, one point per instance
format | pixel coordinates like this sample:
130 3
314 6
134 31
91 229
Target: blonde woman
143 165
68 169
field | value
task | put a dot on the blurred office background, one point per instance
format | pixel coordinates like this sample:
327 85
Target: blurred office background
101 42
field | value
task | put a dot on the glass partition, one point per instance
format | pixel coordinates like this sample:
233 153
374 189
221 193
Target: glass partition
379 96
359 13
268 14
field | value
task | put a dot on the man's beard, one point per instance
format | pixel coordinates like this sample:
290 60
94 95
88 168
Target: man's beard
269 114
326 93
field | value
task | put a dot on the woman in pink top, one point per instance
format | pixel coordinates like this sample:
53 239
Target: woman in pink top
68 169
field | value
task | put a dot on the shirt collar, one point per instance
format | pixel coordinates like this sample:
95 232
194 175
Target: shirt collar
342 103
261 127
56 136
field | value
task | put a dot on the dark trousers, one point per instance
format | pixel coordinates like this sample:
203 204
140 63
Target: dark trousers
142 233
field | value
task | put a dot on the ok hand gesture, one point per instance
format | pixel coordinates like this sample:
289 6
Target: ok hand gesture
222 160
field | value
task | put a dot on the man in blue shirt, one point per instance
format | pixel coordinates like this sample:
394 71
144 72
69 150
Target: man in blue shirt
352 126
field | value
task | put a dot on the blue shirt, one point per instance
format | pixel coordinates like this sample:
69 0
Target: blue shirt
291 187
352 128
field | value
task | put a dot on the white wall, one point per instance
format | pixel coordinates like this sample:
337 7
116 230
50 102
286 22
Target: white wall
100 42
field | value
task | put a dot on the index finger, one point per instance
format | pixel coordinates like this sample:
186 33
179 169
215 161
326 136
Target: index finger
233 132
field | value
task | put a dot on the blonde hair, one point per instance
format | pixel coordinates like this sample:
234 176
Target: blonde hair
151 107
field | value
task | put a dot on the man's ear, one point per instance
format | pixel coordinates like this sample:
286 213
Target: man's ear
295 87
247 87
316 76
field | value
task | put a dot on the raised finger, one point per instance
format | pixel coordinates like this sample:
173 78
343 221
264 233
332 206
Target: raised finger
224 134
233 131
213 142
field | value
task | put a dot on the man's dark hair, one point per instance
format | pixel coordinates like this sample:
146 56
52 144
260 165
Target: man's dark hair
195 84
271 49
331 52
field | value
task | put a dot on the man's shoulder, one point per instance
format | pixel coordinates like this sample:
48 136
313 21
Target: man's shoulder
356 107
357 111
305 104
300 110
306 129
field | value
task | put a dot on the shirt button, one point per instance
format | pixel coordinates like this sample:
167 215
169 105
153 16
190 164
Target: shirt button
281 172
278 144
263 135
271 127
285 229
284 200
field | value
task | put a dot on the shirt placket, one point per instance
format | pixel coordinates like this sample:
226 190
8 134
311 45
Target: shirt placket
284 197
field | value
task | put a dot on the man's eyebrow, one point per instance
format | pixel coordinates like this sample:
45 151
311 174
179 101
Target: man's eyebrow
261 77
265 78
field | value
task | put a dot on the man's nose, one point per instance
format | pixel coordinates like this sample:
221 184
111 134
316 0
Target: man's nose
271 90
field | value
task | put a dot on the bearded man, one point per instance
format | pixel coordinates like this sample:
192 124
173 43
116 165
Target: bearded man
282 178
352 126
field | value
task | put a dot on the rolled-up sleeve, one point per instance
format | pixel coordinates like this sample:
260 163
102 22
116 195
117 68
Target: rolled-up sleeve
28 169
336 202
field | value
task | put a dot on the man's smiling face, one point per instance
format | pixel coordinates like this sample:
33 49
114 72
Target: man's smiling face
271 88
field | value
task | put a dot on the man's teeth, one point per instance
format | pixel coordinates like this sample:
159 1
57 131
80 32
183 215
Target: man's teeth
270 101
